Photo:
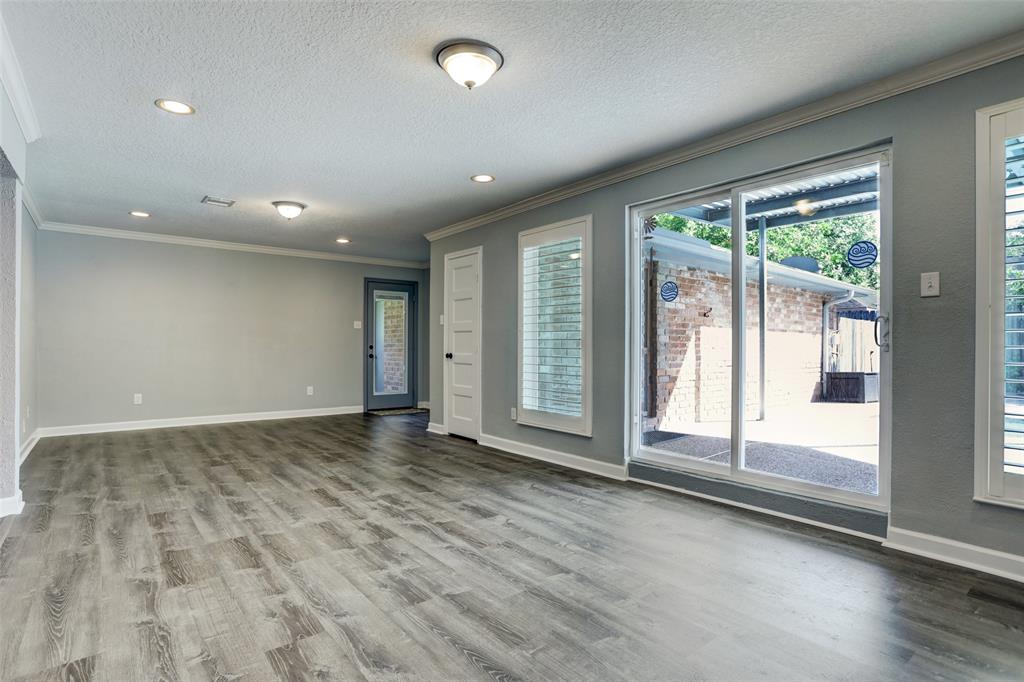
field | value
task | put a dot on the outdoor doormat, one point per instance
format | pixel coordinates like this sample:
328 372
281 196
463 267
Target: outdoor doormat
401 410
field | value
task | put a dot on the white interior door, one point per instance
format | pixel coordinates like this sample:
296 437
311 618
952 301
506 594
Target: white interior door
462 344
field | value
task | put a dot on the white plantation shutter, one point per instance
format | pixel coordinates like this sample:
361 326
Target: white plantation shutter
554 323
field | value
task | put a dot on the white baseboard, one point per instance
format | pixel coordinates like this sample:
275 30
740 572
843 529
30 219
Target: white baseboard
616 471
439 429
47 431
11 505
1002 564
26 448
424 405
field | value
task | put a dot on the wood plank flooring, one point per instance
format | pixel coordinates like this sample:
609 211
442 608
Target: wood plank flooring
363 548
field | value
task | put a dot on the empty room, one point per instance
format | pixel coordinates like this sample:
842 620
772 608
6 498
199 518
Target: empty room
512 340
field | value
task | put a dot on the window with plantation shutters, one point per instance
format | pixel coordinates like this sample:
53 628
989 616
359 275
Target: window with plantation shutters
999 414
554 327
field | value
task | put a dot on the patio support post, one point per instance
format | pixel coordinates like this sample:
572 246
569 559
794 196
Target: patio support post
762 301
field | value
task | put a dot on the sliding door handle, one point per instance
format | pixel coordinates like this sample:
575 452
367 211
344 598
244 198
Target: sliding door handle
883 341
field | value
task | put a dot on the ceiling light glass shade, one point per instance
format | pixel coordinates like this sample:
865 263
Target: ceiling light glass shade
470 64
175 107
289 209
483 177
342 240
139 214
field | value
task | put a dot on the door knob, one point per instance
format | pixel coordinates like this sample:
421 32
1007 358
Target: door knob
449 356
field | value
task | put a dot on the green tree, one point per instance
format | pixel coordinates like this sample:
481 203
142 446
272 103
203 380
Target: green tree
826 241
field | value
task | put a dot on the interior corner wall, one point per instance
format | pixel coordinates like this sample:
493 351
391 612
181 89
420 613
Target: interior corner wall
933 137
197 331
28 407
8 329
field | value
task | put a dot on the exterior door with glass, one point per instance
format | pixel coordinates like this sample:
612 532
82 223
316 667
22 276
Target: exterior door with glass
390 341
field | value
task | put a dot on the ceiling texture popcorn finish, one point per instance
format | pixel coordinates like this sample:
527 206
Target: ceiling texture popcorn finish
343 104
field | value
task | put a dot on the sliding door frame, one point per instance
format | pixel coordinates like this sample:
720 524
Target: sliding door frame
636 213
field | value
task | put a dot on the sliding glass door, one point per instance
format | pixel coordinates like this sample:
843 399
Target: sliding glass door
761 343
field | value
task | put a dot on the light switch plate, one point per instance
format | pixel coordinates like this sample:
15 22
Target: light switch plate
357 324
309 390
929 284
137 399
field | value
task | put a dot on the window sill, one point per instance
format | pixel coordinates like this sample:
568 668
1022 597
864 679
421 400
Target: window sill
1000 501
585 432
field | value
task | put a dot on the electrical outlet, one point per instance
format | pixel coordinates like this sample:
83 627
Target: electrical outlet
137 399
514 415
309 390
357 324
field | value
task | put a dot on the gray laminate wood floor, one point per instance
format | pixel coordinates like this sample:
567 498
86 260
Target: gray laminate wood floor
361 547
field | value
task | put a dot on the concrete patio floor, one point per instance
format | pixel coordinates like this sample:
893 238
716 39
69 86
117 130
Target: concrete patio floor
832 444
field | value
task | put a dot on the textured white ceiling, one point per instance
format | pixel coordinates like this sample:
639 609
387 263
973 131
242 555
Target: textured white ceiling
340 106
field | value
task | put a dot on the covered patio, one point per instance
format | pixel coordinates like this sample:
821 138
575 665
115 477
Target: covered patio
812 377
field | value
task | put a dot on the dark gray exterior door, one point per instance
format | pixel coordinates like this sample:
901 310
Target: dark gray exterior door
390 343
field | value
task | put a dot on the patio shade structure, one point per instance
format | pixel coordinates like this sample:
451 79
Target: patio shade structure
849 192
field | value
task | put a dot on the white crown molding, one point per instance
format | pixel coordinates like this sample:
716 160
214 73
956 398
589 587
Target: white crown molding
14 84
974 557
30 204
142 424
957 64
227 246
616 471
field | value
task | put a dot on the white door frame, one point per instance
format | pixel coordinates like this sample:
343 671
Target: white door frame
634 231
479 252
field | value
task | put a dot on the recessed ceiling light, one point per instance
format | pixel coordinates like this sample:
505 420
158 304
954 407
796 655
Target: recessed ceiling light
139 214
289 209
175 107
483 177
342 240
470 63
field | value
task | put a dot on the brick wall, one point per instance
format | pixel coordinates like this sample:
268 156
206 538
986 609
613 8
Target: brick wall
694 347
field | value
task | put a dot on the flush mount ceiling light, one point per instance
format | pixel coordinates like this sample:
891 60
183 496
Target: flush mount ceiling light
174 107
289 209
470 63
342 240
482 178
138 214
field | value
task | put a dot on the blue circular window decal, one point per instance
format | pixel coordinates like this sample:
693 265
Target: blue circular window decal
669 291
862 254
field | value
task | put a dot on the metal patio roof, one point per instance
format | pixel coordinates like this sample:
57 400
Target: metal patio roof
827 196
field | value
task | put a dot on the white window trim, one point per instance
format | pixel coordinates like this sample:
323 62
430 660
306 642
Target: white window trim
582 425
991 484
732 472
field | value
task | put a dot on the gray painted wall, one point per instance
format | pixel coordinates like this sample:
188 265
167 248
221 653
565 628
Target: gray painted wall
8 315
197 331
932 130
29 408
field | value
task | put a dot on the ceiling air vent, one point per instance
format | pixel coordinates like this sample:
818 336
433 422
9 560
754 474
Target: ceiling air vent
217 201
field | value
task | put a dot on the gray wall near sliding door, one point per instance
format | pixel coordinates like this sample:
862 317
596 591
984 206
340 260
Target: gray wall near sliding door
932 133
